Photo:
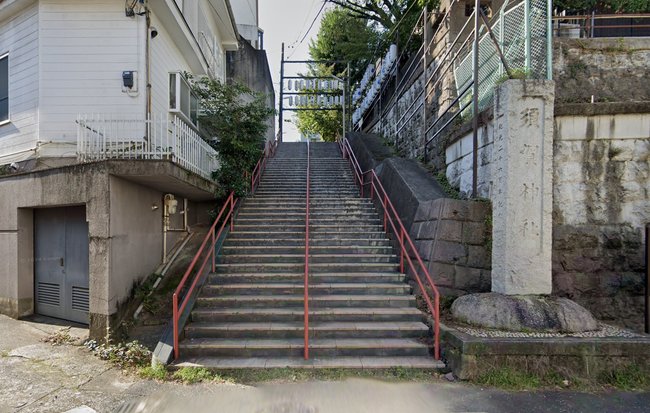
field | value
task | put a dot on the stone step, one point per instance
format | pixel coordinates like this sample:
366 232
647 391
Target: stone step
314 221
315 302
297 249
213 290
338 227
300 242
297 314
314 236
293 347
315 209
269 202
298 267
359 277
220 363
379 329
300 258
300 213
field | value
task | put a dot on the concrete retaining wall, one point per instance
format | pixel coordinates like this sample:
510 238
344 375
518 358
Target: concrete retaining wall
452 236
601 204
125 230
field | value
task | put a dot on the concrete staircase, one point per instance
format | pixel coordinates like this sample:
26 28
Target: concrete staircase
362 313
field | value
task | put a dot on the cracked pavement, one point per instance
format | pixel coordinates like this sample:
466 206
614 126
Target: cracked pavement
40 377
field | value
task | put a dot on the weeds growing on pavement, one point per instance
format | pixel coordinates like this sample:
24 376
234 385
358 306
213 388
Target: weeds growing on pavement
125 355
155 372
191 375
248 376
60 337
630 377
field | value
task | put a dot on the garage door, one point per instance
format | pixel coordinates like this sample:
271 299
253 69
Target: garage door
61 263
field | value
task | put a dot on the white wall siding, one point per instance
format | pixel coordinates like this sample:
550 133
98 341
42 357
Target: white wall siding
165 58
19 38
85 46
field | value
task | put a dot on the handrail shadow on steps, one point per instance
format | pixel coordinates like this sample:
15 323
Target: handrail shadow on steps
408 252
168 346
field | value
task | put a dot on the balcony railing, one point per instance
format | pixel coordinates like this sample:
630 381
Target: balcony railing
162 137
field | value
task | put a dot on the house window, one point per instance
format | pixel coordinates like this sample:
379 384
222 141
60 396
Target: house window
4 88
181 98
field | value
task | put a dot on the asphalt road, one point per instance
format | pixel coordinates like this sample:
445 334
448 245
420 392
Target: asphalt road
374 396
39 377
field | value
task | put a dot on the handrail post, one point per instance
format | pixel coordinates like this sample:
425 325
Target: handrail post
385 214
232 210
306 292
175 323
402 249
214 245
436 326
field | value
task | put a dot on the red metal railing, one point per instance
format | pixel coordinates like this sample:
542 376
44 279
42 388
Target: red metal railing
269 151
229 206
408 252
306 298
226 215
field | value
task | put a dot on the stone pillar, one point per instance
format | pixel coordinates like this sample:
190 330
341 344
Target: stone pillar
522 188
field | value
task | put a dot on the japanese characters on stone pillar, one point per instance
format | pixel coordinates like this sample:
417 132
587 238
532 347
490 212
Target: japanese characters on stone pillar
522 197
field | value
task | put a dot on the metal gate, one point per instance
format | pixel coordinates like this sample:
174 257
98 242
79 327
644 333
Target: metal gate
61 263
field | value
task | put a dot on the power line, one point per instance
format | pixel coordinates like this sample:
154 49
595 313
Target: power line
304 23
311 26
313 21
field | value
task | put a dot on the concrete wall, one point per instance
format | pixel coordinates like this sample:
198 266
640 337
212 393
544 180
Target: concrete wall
601 204
609 70
459 158
125 232
250 67
453 237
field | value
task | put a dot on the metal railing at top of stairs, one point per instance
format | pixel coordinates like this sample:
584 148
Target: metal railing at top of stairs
408 252
256 175
306 327
226 215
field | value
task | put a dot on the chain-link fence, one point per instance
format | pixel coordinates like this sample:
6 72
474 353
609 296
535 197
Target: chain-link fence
521 30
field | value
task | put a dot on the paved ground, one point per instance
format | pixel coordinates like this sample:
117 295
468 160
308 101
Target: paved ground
38 377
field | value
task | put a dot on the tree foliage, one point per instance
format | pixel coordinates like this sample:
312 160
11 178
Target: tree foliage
385 12
234 117
344 38
603 6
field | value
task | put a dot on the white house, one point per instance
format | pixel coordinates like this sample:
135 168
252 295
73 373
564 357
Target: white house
247 17
98 141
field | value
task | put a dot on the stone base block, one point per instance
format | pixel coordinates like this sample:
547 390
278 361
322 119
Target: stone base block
522 313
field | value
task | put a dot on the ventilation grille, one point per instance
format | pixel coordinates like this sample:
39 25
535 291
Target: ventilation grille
80 299
49 293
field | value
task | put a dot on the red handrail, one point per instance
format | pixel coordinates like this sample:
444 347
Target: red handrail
405 243
306 298
214 236
177 311
256 175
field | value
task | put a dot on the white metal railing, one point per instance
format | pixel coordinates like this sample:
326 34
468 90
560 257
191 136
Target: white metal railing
162 137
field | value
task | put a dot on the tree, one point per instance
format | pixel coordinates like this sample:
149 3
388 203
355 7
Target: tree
234 117
394 20
344 38
605 6
385 12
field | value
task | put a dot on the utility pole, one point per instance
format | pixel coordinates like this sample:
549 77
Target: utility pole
281 94
477 7
425 50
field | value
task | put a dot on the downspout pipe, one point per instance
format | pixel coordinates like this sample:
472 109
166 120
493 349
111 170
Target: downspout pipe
147 58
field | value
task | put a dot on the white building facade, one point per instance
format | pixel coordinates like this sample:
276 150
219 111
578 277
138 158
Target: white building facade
98 128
